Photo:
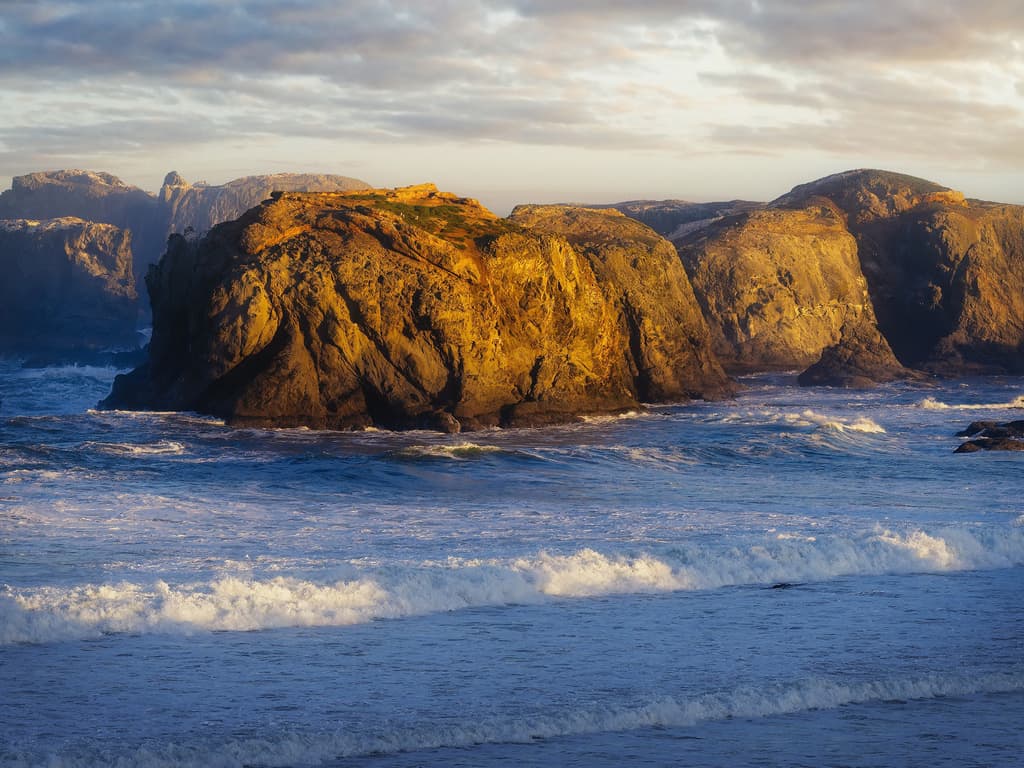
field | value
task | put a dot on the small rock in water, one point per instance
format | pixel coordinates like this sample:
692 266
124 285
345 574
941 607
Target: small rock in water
992 436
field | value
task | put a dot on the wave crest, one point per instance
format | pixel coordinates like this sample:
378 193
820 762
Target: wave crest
47 614
290 747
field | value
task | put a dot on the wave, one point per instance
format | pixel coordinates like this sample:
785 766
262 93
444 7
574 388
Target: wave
931 404
834 423
805 418
233 603
456 451
159 448
295 747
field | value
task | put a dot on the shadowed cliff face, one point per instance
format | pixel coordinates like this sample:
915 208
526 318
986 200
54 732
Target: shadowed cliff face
776 286
946 275
68 287
403 308
101 197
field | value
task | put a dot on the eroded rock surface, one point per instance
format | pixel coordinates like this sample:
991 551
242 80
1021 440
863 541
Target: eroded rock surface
777 286
405 308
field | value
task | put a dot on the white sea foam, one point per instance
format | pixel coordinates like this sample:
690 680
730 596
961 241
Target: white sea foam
809 418
159 448
47 614
805 418
931 404
463 450
290 747
609 418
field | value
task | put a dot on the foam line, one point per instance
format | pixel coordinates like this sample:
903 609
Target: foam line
233 603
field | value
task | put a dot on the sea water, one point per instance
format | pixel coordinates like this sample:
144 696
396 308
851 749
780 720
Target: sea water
793 577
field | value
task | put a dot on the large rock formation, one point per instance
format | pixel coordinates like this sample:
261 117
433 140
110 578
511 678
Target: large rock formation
777 286
946 275
68 287
406 308
641 276
179 207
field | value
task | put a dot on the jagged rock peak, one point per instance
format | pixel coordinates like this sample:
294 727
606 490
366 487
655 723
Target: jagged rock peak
174 179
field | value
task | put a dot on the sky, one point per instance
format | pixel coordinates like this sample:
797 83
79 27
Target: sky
515 101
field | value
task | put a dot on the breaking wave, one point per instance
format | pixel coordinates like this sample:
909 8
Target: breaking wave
159 448
932 404
283 747
448 451
234 603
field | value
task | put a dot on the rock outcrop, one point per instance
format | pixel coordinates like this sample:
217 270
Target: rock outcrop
946 275
87 195
402 308
68 288
777 286
196 208
940 277
148 219
992 436
641 277
179 207
861 358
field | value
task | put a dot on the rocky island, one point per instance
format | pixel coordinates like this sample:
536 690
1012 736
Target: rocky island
417 308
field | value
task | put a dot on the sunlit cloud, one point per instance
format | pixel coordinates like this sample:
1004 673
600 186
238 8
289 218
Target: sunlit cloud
851 82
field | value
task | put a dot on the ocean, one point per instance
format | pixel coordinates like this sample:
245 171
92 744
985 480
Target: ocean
790 578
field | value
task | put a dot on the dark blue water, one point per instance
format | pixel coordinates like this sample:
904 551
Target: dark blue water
177 592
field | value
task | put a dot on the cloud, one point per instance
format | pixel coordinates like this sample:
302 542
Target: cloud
735 76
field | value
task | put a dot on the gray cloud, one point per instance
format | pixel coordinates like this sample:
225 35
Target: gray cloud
839 77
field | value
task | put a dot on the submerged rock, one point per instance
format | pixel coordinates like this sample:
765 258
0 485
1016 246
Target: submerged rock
992 436
412 308
68 288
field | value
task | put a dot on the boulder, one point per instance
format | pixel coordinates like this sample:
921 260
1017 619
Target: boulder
861 358
403 308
